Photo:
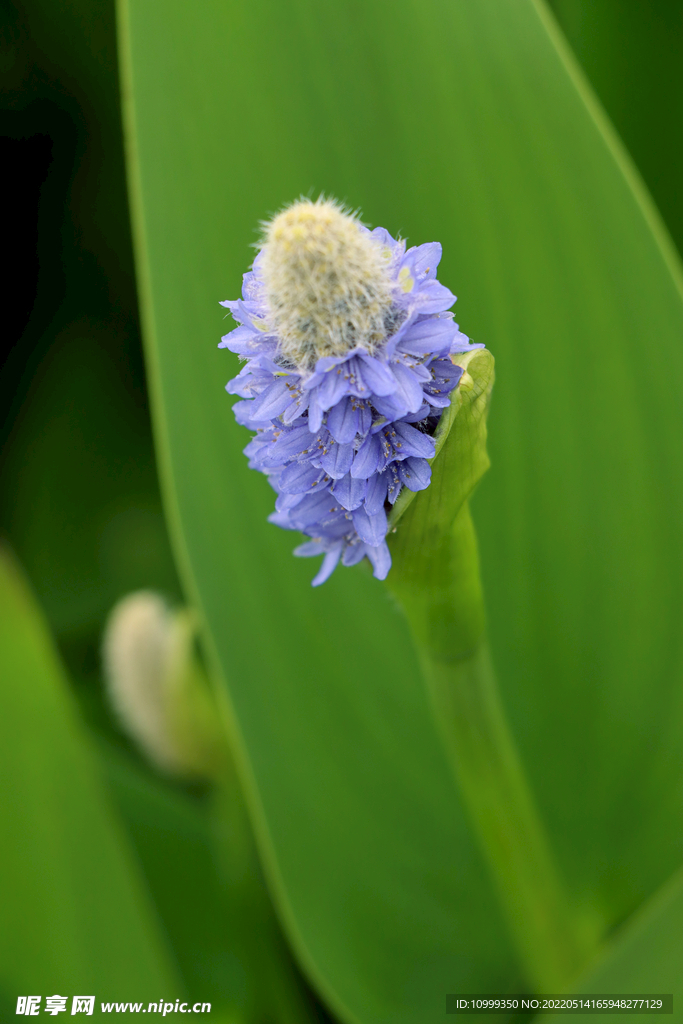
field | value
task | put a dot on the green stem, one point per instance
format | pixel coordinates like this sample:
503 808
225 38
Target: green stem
438 583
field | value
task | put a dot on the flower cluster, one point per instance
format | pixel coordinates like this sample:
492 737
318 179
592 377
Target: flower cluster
348 345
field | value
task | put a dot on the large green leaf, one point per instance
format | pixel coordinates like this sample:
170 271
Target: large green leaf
75 916
461 121
644 956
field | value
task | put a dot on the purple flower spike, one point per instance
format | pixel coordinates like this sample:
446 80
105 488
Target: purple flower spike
348 347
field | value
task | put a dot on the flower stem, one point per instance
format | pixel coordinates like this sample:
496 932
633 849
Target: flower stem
436 578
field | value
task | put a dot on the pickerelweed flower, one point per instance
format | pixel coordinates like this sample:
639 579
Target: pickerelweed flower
348 345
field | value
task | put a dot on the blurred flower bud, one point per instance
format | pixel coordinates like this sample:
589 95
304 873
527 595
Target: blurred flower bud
159 689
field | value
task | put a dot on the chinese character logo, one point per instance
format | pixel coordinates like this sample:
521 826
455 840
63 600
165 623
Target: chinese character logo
29 1005
55 1005
83 1004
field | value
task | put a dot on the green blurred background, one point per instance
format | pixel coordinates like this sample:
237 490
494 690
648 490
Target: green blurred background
80 501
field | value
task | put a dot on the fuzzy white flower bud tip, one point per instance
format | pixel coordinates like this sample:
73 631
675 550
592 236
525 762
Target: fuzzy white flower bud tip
139 648
327 282
158 688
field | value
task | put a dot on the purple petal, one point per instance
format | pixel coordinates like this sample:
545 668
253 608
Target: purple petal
329 565
309 549
297 408
242 412
392 407
364 419
260 442
349 492
444 370
313 381
342 421
287 444
353 553
415 474
333 527
282 520
417 368
333 387
367 458
300 478
242 384
413 442
381 560
312 510
285 502
376 493
371 529
428 336
272 402
326 363
422 412
337 460
383 236
376 375
240 339
461 343
409 387
394 484
426 259
355 382
245 313
432 297
439 401
315 415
